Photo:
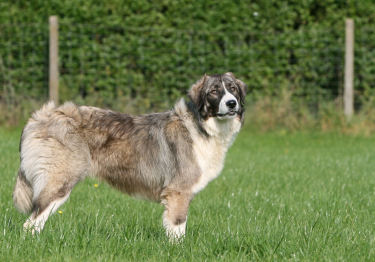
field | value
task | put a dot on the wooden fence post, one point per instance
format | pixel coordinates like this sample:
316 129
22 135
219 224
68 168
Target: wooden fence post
349 68
54 59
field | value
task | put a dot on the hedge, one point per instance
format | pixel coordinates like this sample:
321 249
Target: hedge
152 52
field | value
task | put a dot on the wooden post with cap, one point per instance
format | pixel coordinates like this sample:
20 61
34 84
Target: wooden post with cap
54 59
349 68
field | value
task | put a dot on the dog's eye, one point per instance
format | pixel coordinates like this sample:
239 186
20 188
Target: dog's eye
213 92
232 88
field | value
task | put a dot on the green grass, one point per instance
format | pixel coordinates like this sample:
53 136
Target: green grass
280 197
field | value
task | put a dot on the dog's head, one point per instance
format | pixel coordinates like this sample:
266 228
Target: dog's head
221 96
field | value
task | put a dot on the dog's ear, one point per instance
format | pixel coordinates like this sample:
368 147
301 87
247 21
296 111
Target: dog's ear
243 90
242 86
196 94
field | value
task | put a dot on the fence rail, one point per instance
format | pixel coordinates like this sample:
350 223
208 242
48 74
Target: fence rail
155 66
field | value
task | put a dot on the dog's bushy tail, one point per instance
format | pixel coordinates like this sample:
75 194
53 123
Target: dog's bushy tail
48 122
23 190
22 194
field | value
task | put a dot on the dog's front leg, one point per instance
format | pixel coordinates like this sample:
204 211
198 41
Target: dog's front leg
175 214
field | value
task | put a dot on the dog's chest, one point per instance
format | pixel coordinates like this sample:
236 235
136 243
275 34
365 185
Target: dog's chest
211 152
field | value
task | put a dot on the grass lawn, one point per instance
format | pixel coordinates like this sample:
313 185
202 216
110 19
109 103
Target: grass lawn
280 197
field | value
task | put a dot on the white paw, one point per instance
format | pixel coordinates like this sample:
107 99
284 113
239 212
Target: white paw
176 233
31 226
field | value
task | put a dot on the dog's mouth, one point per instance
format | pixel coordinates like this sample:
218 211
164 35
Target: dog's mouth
230 113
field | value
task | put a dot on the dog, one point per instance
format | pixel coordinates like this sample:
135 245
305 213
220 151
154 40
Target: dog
162 157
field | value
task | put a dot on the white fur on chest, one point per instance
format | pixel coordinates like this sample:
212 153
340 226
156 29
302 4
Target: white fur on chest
211 152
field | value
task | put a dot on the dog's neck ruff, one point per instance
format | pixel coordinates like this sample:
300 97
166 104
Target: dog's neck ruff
225 130
210 149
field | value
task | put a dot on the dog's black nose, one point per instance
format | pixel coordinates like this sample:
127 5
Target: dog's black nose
231 103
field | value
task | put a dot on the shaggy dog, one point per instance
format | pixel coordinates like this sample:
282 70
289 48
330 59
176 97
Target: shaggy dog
163 157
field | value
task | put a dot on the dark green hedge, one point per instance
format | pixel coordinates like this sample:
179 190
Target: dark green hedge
152 51
212 15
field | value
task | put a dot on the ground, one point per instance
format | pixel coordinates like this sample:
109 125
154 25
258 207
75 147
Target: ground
302 196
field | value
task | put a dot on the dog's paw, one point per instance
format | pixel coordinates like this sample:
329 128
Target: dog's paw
176 233
30 226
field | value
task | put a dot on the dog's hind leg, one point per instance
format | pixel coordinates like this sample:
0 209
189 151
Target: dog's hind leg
38 219
55 193
175 213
